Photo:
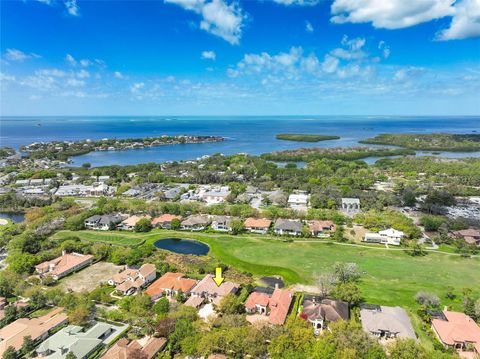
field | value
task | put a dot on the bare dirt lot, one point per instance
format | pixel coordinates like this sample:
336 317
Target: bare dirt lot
89 278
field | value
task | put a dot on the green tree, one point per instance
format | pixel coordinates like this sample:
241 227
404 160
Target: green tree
28 345
349 292
143 225
162 306
237 226
10 353
175 224
295 340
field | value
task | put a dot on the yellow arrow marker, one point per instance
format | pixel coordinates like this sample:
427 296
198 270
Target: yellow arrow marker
218 276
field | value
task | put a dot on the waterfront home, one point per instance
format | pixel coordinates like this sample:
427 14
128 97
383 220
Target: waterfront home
457 330
274 304
214 195
78 341
102 222
197 222
170 284
132 280
209 290
165 221
350 205
288 227
322 312
129 223
148 347
389 236
221 223
470 236
259 226
64 265
321 228
386 322
13 334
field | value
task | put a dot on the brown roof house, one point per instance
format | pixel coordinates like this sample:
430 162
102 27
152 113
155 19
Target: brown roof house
165 221
131 280
321 228
170 284
209 290
64 265
458 331
259 226
471 236
288 227
197 222
149 347
129 223
275 305
321 312
37 328
221 223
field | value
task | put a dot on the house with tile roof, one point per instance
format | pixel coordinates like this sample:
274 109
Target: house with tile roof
221 223
165 221
386 322
470 235
259 226
79 341
37 328
321 312
209 290
64 265
275 305
197 222
457 330
132 280
321 228
147 347
170 284
129 223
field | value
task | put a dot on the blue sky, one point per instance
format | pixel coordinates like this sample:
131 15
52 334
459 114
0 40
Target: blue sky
222 57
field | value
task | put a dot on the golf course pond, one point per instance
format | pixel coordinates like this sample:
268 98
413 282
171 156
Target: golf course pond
183 246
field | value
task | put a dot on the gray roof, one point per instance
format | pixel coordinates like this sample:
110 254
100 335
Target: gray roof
288 225
196 220
390 319
104 219
326 309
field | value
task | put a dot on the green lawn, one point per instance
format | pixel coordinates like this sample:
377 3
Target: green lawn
391 277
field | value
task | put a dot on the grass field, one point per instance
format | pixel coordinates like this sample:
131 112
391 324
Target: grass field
391 277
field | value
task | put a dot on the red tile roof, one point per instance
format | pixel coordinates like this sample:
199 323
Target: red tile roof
64 263
164 218
458 327
279 306
257 223
255 299
172 281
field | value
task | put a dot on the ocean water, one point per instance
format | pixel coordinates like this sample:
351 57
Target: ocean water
253 135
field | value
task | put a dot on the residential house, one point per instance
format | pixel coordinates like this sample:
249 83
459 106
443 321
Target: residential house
81 343
215 195
208 289
102 222
350 205
275 305
288 227
64 265
259 226
129 223
298 201
165 221
148 347
132 280
170 284
197 222
470 236
457 330
321 228
389 236
324 311
386 322
221 223
37 328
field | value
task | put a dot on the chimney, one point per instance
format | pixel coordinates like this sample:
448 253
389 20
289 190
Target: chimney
276 285
64 252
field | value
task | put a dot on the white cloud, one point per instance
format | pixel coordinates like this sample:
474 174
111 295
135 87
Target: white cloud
297 2
218 17
75 83
72 7
50 72
136 87
17 55
309 26
83 74
5 77
118 75
391 14
71 60
408 73
85 62
382 46
209 55
330 64
465 22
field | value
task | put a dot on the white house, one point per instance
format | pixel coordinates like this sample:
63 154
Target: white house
389 236
298 201
350 205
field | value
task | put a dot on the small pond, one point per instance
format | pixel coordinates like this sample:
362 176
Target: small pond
183 246
14 217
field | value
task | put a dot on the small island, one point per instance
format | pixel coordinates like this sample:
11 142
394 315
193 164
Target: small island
429 142
62 150
299 137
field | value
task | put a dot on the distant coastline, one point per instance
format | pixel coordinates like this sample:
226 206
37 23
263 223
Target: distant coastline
298 137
